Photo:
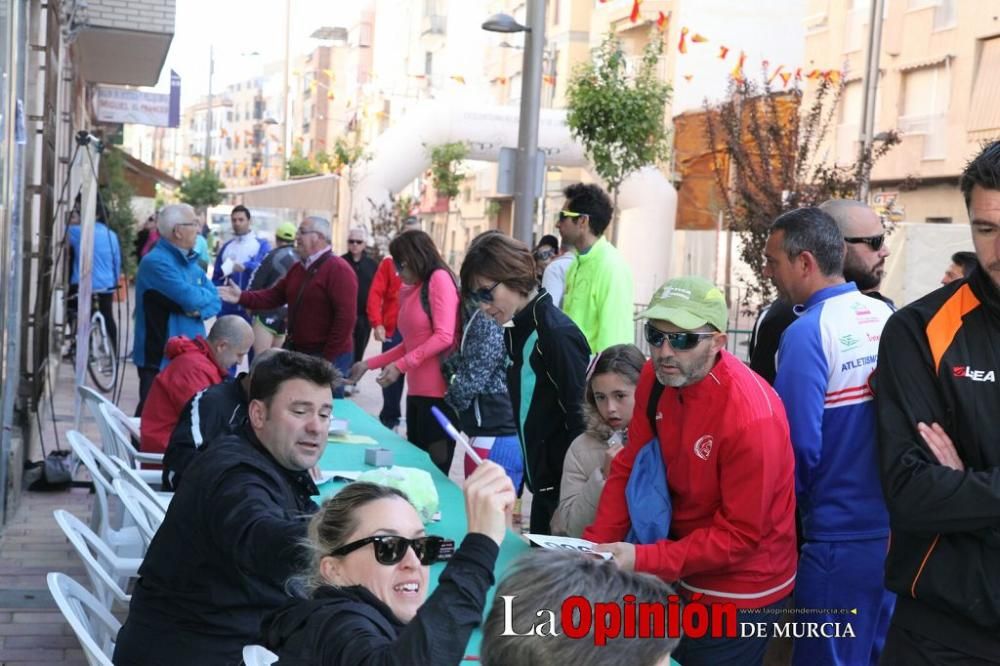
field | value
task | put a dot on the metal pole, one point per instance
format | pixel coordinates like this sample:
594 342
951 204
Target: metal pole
208 123
527 137
870 86
88 201
285 124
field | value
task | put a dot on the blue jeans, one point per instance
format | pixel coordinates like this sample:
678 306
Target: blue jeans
343 364
392 395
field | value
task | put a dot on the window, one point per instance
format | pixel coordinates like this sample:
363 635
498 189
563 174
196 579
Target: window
850 122
925 102
984 110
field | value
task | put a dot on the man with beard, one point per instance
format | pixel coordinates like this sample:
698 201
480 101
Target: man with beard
719 435
864 265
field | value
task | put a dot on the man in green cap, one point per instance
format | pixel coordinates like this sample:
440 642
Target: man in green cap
269 326
704 494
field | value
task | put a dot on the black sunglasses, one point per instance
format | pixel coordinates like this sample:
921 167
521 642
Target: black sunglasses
874 242
544 255
484 295
678 341
355 242
391 549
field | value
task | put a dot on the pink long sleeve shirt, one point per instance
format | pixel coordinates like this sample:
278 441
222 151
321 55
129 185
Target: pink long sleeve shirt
417 357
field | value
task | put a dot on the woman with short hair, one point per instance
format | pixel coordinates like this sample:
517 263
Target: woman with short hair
549 357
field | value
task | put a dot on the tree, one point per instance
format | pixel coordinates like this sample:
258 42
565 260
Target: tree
617 116
766 161
201 189
299 165
445 173
116 196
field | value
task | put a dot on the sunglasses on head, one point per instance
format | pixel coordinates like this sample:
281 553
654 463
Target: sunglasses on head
544 255
681 341
391 549
874 242
485 294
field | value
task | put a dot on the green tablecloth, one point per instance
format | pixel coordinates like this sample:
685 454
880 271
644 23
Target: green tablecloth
452 524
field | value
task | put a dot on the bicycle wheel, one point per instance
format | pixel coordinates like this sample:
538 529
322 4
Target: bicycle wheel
102 362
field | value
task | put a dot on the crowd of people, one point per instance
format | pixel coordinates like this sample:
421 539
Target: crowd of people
770 487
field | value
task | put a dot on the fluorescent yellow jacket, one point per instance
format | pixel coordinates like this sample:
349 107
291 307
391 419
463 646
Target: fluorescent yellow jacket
599 295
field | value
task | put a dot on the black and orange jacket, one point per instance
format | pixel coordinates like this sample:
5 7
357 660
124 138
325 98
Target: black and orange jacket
939 361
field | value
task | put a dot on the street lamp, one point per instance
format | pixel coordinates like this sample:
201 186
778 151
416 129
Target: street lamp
531 93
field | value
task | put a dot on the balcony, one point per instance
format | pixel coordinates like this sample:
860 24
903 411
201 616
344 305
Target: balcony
124 45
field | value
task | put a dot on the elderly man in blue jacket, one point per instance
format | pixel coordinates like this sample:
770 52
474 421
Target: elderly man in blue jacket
172 293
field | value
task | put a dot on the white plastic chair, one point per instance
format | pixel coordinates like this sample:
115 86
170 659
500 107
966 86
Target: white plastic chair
105 569
94 625
93 400
119 443
134 476
255 655
123 538
147 513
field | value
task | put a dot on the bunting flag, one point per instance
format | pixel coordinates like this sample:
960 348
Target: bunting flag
663 21
813 75
329 73
502 80
737 72
785 76
777 72
798 73
459 78
549 79
634 16
313 84
682 44
329 94
688 77
223 133
832 75
698 39
723 52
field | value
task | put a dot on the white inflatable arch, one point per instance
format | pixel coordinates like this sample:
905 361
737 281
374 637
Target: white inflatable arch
647 200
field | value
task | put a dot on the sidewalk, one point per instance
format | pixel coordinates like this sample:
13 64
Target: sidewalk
32 631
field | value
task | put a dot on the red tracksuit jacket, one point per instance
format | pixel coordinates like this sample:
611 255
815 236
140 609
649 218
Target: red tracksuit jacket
192 368
730 471
383 297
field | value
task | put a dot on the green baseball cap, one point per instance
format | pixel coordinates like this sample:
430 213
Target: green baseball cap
689 302
286 231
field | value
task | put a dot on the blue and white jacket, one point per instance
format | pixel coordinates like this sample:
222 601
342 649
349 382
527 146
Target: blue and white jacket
825 360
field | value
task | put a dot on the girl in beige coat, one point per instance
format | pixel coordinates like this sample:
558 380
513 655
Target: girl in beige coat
607 408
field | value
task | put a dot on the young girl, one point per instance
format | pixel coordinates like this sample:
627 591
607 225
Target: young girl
607 407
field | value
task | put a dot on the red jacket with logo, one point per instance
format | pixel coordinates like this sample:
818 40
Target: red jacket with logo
730 471
192 368
383 298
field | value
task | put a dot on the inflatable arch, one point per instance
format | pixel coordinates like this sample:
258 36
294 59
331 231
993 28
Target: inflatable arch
647 200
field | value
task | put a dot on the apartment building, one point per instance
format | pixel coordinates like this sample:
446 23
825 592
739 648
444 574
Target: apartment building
937 86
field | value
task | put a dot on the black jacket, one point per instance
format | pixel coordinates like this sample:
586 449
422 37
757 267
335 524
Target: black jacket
556 365
365 270
351 627
217 410
938 362
221 558
771 323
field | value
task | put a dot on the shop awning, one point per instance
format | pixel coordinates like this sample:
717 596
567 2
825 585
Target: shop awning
309 193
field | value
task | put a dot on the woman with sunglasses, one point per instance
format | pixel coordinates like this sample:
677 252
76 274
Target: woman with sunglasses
428 322
549 357
368 577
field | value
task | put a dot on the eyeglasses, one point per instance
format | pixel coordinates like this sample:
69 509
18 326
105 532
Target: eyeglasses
682 341
303 232
484 295
563 214
544 255
391 549
874 242
355 242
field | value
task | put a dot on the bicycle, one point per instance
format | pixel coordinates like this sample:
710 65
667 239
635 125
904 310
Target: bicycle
102 361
